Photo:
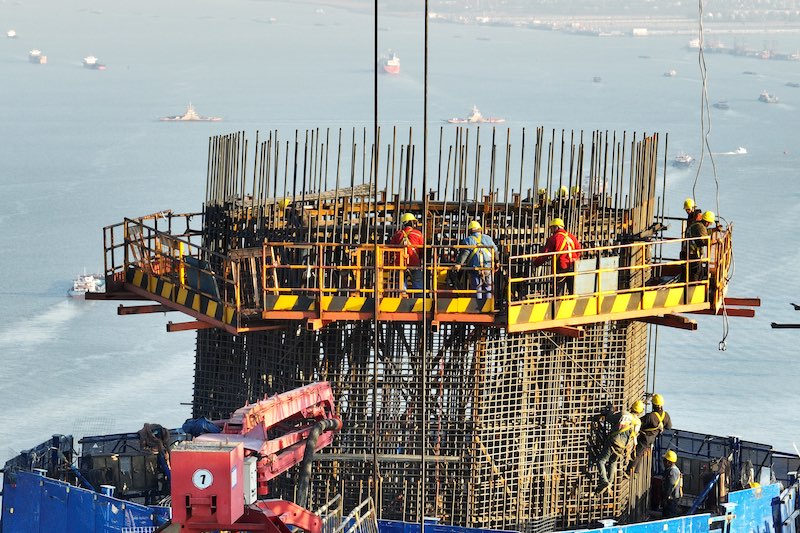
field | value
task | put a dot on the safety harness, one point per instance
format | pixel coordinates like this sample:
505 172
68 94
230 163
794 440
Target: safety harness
480 251
660 427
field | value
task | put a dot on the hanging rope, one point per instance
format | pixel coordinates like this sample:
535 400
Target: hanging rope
705 146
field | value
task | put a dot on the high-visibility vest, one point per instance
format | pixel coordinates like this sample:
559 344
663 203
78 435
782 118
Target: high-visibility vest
660 427
569 245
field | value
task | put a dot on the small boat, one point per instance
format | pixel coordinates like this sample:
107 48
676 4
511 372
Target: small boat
391 64
768 98
722 104
792 84
597 79
36 57
670 73
683 160
86 283
190 116
11 34
475 118
750 73
92 62
741 150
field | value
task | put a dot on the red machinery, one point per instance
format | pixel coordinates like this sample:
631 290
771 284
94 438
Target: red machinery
216 477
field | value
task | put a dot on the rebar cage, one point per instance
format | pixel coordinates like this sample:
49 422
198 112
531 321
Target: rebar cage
465 422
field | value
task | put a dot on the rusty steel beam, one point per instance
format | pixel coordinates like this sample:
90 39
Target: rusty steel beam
568 331
187 326
744 302
142 309
671 321
730 311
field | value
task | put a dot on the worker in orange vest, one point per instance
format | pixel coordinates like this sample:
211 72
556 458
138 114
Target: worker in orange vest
568 251
411 238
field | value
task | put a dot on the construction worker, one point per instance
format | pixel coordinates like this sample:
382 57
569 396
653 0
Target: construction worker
618 444
480 256
672 489
411 238
653 424
568 248
693 213
694 248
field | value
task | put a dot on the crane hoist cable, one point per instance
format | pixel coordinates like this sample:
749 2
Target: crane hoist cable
705 132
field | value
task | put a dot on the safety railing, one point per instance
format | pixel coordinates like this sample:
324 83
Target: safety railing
173 254
332 269
603 271
248 281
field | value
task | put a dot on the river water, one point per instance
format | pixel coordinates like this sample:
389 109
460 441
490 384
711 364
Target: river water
82 149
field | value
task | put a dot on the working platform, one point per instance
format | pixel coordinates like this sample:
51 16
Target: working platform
279 283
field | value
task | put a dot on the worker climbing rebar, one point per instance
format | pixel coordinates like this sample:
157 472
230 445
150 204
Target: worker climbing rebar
618 444
653 424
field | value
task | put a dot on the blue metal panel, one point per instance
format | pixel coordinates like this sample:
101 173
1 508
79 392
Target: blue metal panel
754 509
683 524
34 503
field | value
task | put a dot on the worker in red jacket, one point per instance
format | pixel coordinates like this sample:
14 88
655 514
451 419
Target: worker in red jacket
566 247
410 237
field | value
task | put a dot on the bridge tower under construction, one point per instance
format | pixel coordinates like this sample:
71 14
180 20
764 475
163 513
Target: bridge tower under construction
480 412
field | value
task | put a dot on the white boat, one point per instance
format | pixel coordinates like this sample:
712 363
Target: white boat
11 34
671 73
190 116
86 283
36 56
93 63
741 150
475 118
768 98
683 160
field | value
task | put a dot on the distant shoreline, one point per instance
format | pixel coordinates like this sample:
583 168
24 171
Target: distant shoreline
666 25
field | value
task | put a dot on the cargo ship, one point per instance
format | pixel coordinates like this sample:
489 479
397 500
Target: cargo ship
391 64
476 117
86 283
768 98
190 115
93 63
36 57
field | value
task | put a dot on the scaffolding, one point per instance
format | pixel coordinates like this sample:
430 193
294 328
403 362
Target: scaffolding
481 412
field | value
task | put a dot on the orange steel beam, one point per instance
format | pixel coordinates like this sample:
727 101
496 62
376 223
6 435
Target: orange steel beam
187 326
142 309
568 331
672 321
744 302
730 311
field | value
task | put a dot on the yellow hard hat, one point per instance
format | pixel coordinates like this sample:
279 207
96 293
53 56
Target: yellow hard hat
688 203
283 203
556 222
563 191
542 191
474 225
708 216
637 407
658 400
671 456
576 190
408 217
